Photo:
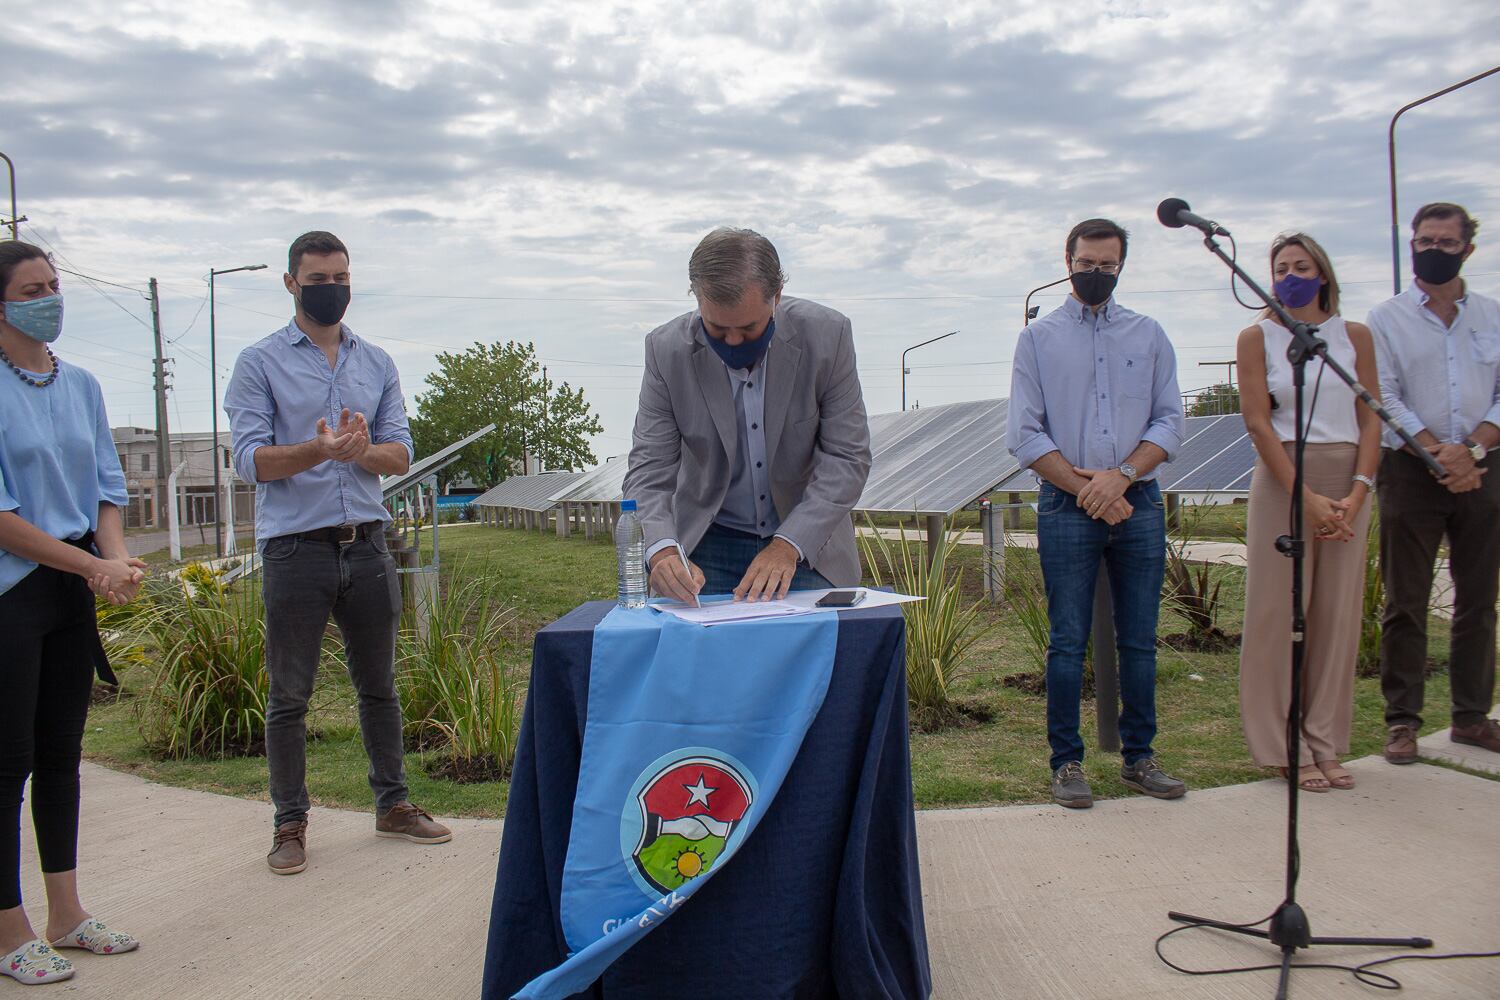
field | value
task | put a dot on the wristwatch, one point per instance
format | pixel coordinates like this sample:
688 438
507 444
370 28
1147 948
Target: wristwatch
1476 449
1369 483
1128 471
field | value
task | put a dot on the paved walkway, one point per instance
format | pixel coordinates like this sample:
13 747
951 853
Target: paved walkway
1032 902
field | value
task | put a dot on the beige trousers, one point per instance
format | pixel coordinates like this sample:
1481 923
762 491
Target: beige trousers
1333 596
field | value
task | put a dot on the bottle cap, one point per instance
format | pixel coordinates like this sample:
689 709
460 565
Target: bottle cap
627 505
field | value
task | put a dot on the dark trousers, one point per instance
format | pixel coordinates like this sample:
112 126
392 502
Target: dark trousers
724 554
304 583
46 674
1071 544
1416 514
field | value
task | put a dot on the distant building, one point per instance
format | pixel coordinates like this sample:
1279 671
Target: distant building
145 482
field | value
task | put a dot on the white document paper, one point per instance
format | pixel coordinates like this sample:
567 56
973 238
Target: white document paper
723 612
798 602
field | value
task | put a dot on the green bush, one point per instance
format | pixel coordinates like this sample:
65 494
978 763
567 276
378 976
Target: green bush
456 693
208 695
940 631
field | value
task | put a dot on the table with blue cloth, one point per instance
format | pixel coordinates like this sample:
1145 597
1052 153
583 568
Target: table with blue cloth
823 900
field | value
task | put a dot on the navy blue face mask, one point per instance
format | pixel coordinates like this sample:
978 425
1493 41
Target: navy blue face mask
744 354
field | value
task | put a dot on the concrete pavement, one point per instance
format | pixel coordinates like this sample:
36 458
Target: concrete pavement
1032 902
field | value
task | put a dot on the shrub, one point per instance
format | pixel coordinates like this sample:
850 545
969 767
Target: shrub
456 692
940 631
208 695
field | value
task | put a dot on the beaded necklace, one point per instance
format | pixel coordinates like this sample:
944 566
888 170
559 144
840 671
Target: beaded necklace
41 383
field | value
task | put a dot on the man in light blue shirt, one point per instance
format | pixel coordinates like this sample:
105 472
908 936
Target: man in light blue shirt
1094 409
317 417
1438 347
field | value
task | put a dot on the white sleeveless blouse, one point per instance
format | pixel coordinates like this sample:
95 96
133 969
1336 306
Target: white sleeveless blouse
1334 418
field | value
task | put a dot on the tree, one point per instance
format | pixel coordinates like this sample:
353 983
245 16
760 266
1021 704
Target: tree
503 384
1215 401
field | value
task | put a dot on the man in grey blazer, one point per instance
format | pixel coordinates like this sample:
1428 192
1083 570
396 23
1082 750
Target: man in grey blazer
751 443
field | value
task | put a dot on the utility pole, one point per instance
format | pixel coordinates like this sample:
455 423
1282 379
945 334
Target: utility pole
540 465
163 438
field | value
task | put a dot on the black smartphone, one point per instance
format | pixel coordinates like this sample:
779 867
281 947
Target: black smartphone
841 598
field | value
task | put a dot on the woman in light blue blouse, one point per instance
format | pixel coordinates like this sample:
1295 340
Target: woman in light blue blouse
62 542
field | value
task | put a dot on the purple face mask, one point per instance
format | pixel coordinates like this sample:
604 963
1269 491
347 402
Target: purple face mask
1295 291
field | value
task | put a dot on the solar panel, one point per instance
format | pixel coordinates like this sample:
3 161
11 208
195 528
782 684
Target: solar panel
436 462
936 460
1216 453
532 493
604 484
1216 457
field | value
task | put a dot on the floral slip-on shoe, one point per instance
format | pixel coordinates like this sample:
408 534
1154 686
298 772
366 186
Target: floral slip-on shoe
35 962
93 936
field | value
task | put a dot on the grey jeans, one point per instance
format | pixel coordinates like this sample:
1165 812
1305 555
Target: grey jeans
304 583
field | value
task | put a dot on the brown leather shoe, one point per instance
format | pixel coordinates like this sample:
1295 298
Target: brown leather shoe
407 822
1484 734
289 849
1401 745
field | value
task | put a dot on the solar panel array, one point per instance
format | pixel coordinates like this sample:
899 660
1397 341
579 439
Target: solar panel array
1216 457
532 493
937 459
940 459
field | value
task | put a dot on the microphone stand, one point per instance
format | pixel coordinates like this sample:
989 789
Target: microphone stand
1289 928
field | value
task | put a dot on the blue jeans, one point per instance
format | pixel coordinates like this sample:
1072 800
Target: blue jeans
1135 555
724 554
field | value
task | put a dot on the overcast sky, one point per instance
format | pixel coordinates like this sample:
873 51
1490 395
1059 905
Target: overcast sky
540 171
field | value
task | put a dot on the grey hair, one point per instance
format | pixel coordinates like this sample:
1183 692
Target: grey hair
728 261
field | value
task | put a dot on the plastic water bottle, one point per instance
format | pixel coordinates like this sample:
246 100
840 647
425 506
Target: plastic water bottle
630 550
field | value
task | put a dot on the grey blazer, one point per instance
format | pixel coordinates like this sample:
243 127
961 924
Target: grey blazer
817 436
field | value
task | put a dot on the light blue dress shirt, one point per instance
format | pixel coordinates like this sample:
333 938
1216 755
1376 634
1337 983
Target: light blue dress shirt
1093 386
1441 379
280 387
57 459
747 504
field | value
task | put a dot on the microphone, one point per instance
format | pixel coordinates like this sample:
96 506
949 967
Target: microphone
1174 213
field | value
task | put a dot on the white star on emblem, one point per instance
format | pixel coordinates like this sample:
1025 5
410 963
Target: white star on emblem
699 792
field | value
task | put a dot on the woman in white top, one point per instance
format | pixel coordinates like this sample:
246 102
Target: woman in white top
1342 454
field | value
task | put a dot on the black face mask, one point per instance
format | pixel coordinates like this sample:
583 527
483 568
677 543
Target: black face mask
325 304
1436 267
1093 287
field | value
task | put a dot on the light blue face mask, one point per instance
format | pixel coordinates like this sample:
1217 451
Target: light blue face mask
40 319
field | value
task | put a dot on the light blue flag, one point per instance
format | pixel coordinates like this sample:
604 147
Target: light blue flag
690 733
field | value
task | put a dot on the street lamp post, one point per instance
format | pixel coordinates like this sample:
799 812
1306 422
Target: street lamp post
1030 313
905 371
15 220
213 378
1391 143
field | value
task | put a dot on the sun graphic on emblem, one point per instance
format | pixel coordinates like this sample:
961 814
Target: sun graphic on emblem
689 864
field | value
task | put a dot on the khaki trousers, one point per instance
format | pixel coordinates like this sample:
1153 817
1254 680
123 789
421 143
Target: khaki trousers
1333 596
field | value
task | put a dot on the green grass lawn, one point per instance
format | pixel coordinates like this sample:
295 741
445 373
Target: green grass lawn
1002 760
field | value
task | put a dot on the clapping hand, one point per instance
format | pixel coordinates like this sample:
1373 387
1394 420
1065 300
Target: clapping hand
348 441
118 580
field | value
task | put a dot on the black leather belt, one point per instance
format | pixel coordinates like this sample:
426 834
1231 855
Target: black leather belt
343 534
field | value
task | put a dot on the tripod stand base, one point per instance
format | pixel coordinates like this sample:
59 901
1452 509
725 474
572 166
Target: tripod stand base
1290 930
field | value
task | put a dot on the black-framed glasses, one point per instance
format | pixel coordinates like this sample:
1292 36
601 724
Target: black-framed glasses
1447 244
